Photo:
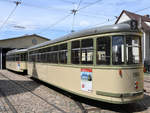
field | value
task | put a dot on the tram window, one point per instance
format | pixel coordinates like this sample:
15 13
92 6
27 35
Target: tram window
38 58
26 57
17 57
48 57
103 50
45 57
63 53
54 54
87 51
34 57
13 57
133 49
49 54
117 50
42 56
22 57
75 52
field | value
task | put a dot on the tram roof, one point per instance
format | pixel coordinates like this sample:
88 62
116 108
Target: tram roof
124 27
16 51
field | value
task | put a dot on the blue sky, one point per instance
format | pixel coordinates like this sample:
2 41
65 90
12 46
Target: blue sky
43 17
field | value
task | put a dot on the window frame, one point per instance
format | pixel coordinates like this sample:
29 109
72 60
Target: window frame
110 52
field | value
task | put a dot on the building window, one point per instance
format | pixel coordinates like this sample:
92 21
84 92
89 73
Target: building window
75 52
103 50
87 51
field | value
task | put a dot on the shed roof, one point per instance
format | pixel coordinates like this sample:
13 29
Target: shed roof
16 51
25 37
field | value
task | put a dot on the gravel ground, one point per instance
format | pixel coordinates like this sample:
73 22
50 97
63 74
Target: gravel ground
34 97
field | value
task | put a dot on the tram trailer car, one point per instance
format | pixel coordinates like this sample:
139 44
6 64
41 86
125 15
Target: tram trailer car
16 60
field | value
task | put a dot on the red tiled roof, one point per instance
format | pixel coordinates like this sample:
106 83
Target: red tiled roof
137 17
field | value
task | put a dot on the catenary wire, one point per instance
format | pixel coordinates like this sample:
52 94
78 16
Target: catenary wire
115 18
142 9
93 3
79 4
57 22
11 13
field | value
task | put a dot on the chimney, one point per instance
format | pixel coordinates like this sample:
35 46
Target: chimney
147 16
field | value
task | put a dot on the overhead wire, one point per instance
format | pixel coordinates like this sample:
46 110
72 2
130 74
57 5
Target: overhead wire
35 6
57 22
93 3
6 1
117 17
74 11
79 4
67 1
142 9
11 13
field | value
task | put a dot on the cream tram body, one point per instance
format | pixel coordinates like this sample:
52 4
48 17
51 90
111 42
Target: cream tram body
101 63
16 60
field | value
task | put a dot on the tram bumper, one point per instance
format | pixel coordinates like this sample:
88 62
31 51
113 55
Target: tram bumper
122 98
132 94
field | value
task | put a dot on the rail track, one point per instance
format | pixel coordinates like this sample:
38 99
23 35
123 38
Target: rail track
79 104
11 107
89 106
29 90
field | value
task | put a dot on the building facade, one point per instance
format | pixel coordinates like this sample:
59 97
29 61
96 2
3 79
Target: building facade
18 43
144 22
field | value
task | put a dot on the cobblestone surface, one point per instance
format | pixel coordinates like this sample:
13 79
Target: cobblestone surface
28 102
33 97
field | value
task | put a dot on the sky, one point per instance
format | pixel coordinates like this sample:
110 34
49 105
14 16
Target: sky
54 18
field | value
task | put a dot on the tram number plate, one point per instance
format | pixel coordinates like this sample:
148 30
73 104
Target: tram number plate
136 74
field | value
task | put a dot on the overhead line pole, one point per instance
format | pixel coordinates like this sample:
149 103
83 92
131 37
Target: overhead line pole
74 11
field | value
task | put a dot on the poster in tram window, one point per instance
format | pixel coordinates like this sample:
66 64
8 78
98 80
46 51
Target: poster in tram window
86 79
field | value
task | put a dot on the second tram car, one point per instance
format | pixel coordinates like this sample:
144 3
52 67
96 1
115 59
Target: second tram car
16 60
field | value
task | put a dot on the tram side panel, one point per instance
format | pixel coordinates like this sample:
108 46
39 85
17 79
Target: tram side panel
18 66
105 85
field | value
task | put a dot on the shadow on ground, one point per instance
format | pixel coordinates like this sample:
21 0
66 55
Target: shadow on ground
20 73
16 87
138 106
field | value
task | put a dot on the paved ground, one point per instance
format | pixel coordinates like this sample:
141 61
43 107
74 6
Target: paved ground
20 94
